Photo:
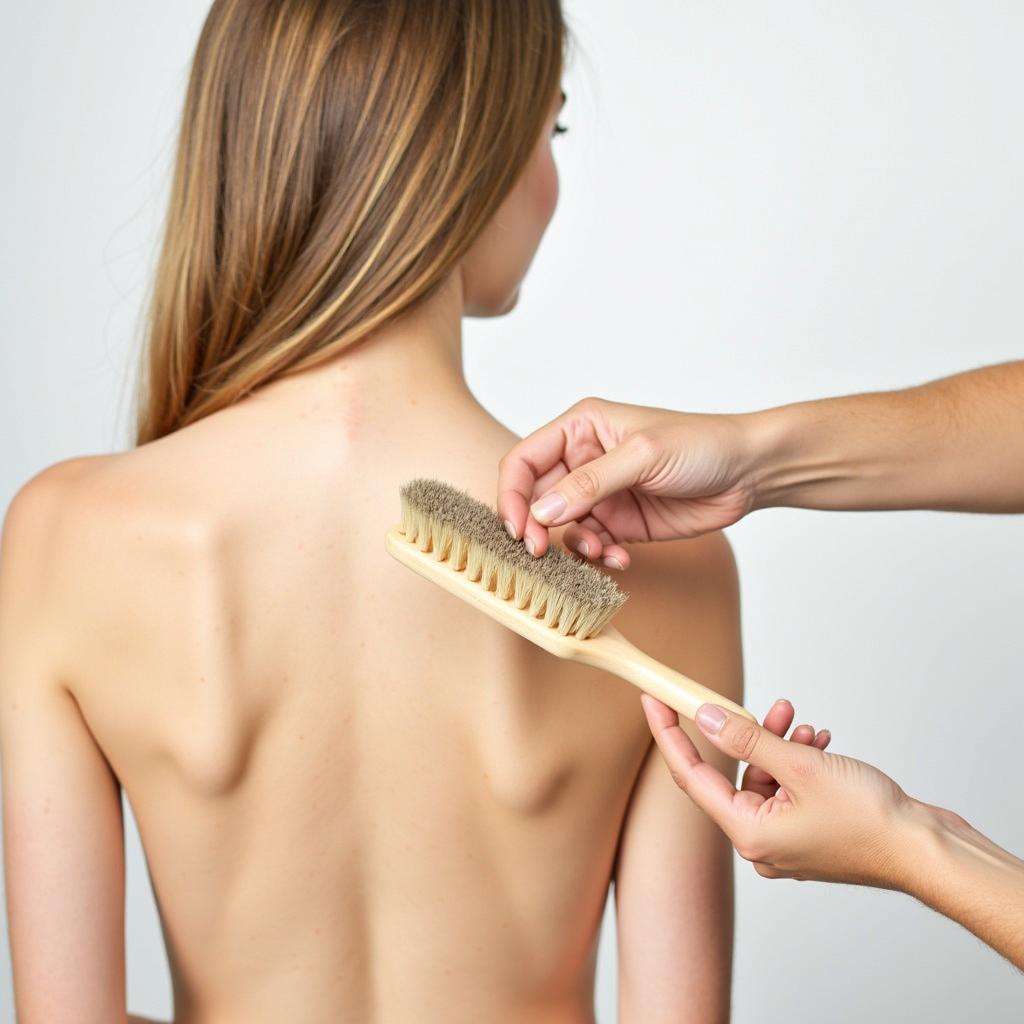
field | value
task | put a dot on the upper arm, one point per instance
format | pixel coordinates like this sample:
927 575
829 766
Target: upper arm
673 877
63 839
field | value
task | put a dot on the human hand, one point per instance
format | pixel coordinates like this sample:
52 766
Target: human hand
799 813
621 473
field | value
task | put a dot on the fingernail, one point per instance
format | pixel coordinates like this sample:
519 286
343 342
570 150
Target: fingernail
530 546
511 529
548 508
583 548
612 562
711 718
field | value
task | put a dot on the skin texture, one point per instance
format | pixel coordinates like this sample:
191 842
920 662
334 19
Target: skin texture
804 814
617 473
359 798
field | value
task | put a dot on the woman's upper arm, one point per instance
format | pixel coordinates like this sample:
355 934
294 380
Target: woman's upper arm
63 838
674 909
673 874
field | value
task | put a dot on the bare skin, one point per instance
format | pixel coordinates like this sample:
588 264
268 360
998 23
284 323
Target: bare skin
360 799
619 473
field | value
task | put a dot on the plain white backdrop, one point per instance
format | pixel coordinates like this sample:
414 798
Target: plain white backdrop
760 203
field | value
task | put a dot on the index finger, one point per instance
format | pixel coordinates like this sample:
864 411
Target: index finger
704 784
518 472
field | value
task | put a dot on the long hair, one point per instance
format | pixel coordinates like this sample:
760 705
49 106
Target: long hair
336 160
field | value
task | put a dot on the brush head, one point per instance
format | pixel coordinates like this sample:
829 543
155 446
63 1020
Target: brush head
569 596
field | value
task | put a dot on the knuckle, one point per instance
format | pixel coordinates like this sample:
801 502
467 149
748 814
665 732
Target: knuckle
588 404
512 458
747 849
743 739
952 819
585 483
643 446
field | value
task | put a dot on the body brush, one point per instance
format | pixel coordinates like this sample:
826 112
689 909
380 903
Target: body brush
555 601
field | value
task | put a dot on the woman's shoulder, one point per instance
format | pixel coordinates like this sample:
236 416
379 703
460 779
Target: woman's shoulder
684 608
85 497
45 504
77 542
52 570
691 570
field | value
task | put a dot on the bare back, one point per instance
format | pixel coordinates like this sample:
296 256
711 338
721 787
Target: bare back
361 800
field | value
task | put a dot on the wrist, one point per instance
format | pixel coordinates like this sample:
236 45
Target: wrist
956 870
832 454
917 849
779 458
936 846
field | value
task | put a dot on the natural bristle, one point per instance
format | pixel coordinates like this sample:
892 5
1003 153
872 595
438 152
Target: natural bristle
568 595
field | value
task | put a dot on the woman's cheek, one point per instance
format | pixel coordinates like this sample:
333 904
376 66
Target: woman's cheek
547 189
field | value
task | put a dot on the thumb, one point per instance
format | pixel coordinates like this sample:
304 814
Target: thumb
588 485
741 738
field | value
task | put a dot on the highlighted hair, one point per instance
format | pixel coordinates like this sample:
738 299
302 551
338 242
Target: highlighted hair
337 159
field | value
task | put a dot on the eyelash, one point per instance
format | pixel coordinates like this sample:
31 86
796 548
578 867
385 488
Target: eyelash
560 129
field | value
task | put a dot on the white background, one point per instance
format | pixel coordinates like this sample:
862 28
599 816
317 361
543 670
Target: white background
760 203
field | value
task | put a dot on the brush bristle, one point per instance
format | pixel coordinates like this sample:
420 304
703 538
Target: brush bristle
570 596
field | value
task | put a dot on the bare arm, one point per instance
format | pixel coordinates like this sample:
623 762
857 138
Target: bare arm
955 444
962 874
63 840
673 874
621 473
674 907
833 818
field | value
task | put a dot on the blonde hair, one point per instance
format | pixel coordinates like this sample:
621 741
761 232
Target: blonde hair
336 160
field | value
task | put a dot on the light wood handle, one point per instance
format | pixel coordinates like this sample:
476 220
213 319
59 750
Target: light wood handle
611 651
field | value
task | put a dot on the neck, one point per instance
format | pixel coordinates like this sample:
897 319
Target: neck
421 350
417 355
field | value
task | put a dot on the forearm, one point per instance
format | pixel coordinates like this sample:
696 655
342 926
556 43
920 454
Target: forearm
954 444
959 872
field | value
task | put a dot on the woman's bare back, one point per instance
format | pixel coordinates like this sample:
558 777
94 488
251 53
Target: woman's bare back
360 799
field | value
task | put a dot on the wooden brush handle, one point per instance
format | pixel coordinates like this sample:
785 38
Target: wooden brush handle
611 651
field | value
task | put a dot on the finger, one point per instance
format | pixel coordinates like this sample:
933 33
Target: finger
779 717
583 540
536 537
707 787
549 479
615 557
757 780
823 739
596 546
740 738
802 734
612 554
523 465
588 485
778 720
